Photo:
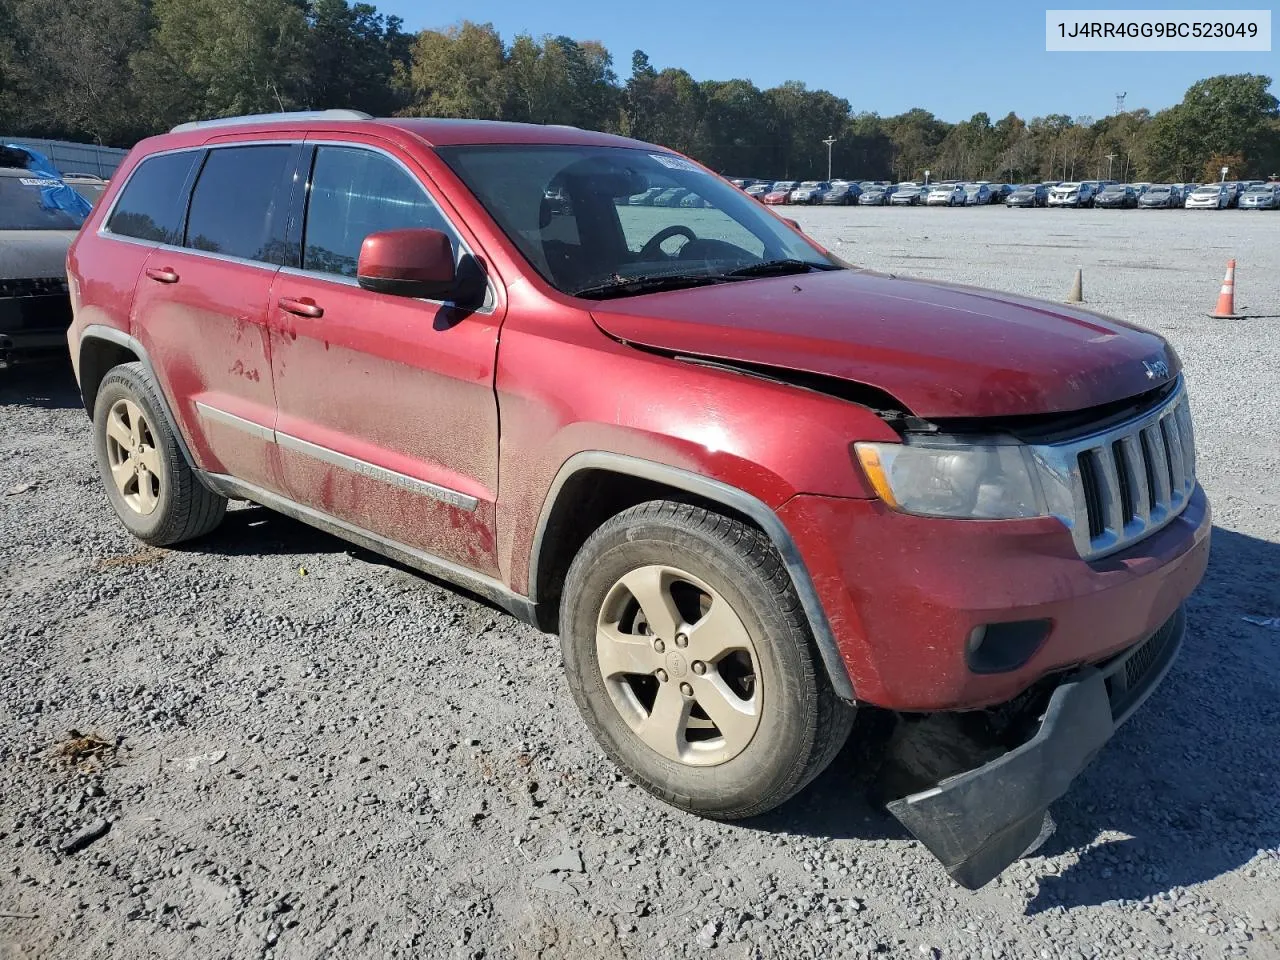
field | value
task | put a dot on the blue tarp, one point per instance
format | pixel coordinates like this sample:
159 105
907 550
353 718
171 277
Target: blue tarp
56 195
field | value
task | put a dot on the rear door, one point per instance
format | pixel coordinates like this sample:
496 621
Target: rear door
201 306
387 414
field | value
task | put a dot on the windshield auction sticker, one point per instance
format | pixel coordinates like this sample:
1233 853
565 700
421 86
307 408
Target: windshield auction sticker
1167 30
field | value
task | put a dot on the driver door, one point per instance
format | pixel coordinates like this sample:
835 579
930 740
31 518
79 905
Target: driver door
387 419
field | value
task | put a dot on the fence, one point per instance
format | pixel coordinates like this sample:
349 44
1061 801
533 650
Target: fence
71 158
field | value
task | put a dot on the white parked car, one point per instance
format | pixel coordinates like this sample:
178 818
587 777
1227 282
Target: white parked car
1072 194
945 195
1212 196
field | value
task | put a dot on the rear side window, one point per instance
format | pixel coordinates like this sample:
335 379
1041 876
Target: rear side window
153 201
357 192
240 204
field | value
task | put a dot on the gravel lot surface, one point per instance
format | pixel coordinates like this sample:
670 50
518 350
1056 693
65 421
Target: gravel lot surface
303 751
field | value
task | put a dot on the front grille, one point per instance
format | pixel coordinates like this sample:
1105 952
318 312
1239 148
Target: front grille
1092 492
1118 486
1130 675
35 287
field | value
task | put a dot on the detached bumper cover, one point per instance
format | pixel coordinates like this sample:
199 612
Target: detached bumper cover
980 821
34 315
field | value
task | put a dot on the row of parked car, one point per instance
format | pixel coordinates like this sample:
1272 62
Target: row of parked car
1245 194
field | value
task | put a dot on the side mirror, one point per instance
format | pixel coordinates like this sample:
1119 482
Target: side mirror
794 225
416 262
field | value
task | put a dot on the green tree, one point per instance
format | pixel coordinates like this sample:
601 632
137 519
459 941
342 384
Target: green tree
213 58
1230 115
70 59
457 72
352 52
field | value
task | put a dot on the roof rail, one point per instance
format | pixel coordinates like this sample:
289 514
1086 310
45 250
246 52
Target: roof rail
274 118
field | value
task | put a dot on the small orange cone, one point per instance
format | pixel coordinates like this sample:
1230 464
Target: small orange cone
1226 309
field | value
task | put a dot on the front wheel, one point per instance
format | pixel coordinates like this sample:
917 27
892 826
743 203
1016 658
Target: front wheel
691 661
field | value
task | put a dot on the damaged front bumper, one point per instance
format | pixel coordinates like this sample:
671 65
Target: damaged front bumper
978 822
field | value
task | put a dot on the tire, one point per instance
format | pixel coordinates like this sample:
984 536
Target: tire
722 586
150 485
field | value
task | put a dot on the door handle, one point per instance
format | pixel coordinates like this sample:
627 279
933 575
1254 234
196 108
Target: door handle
302 306
162 274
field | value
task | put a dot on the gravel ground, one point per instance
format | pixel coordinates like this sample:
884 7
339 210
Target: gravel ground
284 747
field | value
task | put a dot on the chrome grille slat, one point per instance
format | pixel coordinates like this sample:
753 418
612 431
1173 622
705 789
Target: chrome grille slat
1173 443
1113 514
1116 487
1159 470
1137 468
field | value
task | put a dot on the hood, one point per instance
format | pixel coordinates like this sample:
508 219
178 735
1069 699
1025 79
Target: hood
33 254
943 351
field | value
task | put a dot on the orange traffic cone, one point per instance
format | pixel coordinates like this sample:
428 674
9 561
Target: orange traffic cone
1226 308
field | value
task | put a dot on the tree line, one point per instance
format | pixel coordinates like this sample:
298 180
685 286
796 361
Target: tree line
113 71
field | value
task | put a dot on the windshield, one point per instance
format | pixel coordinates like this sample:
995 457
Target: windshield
1113 189
22 206
598 237
1157 189
1208 191
1260 189
91 190
1067 186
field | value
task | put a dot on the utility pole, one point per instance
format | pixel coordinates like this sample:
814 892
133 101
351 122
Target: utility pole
829 142
1110 159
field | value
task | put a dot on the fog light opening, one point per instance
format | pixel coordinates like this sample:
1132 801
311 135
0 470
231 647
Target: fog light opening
1001 647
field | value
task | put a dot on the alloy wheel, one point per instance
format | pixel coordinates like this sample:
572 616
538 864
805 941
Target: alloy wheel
679 665
136 466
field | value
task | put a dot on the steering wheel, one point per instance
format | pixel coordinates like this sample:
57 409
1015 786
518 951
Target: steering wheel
653 249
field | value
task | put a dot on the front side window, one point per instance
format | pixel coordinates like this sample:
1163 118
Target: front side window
240 204
569 209
153 201
356 192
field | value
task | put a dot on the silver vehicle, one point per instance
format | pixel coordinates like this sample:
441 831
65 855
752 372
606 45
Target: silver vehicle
1160 196
908 194
977 194
1261 196
874 194
810 191
34 235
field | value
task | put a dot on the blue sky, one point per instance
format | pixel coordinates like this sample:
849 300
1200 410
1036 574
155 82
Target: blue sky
886 57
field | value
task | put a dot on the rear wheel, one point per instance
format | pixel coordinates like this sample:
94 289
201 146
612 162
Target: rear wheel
150 485
691 661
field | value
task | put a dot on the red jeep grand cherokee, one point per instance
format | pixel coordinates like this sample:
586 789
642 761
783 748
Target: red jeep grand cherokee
750 485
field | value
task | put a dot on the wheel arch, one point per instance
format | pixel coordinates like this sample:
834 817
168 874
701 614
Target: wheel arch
103 348
594 485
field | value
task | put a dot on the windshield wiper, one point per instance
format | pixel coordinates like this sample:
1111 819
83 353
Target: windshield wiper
630 286
772 268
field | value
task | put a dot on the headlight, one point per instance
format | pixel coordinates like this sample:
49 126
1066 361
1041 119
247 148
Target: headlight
944 478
